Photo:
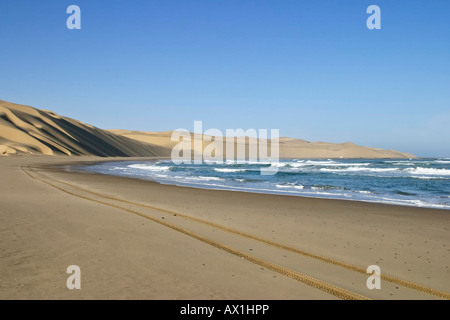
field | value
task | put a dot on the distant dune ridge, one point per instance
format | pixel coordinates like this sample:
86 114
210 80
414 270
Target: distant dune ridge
26 130
288 147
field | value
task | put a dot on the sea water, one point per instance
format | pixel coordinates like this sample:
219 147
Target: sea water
413 182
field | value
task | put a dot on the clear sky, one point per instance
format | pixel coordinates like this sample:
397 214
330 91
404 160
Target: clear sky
309 68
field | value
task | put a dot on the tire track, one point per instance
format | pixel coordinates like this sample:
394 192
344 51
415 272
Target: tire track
300 277
341 264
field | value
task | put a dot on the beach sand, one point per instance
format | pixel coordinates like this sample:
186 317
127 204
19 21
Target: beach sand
136 239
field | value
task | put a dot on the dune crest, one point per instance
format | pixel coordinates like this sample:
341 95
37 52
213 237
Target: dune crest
26 130
288 147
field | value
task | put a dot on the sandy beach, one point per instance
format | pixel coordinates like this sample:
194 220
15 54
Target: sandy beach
136 239
225 153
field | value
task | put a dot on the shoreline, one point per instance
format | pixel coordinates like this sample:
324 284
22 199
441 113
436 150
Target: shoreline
124 255
237 189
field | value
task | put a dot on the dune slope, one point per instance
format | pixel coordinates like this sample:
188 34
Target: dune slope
26 130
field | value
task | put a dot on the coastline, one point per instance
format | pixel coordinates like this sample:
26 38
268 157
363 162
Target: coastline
126 256
350 193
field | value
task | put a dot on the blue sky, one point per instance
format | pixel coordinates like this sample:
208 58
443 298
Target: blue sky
309 68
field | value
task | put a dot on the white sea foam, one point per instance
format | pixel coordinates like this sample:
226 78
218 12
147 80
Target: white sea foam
290 186
162 175
354 169
331 194
282 186
311 163
298 165
429 177
228 170
351 164
149 167
415 203
321 163
429 171
328 164
256 162
288 164
279 164
401 163
201 178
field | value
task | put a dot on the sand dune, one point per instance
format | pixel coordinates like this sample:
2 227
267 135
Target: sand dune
288 147
26 130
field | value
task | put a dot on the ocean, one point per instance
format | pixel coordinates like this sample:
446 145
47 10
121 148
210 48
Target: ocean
421 182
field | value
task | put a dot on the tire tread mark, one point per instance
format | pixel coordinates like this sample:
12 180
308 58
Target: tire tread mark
300 277
388 278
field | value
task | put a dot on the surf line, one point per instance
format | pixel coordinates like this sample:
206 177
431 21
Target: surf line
385 277
300 277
